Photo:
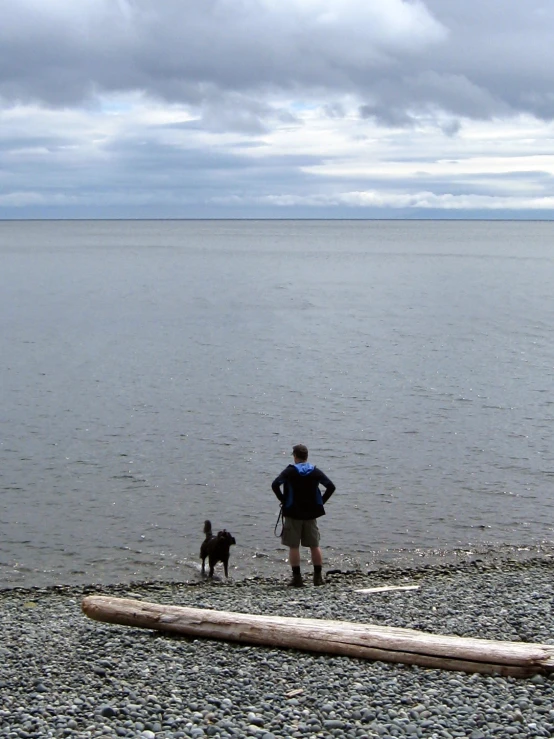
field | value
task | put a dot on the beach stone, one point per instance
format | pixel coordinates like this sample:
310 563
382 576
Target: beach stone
333 724
107 711
256 720
240 691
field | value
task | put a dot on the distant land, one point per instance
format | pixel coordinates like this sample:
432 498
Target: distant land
206 213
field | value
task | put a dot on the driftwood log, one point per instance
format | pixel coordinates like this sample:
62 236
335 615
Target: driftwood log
365 641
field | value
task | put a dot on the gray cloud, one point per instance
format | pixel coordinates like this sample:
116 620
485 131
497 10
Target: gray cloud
136 168
469 58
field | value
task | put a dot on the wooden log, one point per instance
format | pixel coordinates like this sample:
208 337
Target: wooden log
368 641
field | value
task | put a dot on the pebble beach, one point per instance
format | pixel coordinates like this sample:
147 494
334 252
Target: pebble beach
64 675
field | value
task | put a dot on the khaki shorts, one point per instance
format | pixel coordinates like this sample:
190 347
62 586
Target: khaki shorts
296 532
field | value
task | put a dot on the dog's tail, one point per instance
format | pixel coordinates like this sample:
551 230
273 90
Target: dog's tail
207 527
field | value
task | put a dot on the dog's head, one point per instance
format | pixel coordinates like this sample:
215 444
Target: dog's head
225 536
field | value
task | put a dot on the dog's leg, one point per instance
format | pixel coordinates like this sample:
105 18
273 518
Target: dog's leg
203 565
226 566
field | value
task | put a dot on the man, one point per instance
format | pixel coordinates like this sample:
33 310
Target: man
302 505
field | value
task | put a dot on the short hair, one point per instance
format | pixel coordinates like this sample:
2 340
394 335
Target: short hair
300 451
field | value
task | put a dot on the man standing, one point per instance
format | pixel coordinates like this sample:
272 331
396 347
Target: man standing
302 505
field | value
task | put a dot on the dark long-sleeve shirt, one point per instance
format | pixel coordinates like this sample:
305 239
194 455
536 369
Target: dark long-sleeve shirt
301 496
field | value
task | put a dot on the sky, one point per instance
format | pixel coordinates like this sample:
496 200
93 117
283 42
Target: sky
277 109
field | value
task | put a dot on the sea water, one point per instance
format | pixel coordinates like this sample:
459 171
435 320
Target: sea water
157 373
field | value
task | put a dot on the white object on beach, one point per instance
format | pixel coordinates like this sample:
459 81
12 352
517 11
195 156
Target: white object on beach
385 588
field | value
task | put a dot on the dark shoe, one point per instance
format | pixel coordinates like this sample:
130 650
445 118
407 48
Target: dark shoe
318 578
296 582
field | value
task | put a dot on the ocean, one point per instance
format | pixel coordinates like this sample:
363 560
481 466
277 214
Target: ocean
157 373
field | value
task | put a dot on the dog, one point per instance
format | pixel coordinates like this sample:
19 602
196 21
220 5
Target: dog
216 549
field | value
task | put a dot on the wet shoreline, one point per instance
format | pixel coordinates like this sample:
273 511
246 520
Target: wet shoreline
397 564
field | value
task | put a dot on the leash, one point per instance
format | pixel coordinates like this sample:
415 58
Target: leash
279 518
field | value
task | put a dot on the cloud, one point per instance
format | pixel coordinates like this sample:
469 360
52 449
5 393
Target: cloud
62 52
470 59
429 200
341 105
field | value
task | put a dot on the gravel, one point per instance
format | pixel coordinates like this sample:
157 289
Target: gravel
63 675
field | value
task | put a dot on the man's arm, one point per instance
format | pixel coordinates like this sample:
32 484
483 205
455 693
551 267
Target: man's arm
276 487
328 485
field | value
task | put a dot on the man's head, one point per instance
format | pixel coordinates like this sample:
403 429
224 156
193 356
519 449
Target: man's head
300 452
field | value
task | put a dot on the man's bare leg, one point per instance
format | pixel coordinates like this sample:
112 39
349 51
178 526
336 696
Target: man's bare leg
294 560
294 556
317 559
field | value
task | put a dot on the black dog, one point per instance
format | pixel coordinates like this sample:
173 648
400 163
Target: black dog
216 549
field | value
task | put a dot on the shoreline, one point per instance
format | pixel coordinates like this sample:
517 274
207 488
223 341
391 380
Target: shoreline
507 557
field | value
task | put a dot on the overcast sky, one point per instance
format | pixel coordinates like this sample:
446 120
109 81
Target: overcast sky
277 108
